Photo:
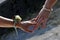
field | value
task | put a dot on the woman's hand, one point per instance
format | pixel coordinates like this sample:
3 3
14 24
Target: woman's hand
41 19
40 22
24 25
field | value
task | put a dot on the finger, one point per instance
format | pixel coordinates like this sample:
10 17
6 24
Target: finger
44 24
28 22
34 19
25 29
38 24
33 23
35 27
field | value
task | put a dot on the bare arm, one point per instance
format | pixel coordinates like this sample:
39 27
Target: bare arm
44 13
48 4
6 23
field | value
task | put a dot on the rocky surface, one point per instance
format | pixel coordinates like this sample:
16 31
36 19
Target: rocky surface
53 34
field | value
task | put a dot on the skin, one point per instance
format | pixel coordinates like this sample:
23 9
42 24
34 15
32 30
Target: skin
23 25
8 23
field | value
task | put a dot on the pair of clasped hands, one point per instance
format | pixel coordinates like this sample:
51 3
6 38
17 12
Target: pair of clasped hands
24 25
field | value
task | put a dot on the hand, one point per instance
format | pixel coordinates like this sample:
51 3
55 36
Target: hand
41 20
24 25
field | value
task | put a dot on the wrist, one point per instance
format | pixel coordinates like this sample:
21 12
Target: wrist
17 25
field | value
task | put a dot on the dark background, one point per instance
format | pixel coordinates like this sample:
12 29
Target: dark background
24 8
